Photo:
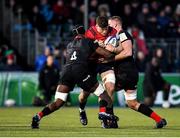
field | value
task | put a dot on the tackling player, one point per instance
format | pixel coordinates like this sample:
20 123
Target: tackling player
99 33
127 73
76 71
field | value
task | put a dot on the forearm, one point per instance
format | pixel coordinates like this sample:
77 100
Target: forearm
117 50
105 53
121 55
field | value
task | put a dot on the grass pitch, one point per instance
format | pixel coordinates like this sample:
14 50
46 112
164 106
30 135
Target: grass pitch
65 123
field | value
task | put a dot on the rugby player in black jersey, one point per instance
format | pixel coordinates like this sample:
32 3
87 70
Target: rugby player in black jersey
77 71
126 72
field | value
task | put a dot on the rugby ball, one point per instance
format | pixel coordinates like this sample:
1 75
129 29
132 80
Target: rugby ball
112 40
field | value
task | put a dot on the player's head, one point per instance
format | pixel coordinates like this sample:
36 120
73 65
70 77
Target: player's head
102 25
78 30
115 22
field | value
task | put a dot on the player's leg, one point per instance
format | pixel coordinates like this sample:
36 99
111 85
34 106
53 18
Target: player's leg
82 103
105 101
108 78
60 98
96 88
91 85
130 96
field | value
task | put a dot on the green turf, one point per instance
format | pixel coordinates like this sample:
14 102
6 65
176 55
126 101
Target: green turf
65 122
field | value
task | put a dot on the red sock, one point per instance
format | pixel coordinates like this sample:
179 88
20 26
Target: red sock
40 114
102 109
156 117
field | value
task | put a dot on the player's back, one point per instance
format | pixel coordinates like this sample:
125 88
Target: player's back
79 51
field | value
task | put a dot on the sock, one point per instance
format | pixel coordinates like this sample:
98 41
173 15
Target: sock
148 112
102 106
156 117
110 110
82 106
44 112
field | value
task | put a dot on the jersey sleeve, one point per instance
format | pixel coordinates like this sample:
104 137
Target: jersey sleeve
88 34
124 36
93 45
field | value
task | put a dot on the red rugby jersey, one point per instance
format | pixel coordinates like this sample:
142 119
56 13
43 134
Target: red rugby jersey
92 33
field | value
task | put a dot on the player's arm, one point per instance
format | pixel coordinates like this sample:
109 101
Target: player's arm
97 50
127 50
113 49
103 52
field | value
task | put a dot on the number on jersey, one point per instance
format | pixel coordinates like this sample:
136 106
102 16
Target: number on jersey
73 56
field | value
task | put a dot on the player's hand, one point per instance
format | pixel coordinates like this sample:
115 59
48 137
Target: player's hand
101 43
100 60
110 48
105 61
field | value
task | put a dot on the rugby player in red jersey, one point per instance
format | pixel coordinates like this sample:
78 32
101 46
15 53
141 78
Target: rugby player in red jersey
99 33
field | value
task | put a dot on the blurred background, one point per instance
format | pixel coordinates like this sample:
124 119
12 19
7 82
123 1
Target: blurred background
32 30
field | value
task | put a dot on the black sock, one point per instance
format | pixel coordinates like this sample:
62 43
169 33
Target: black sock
110 110
103 103
145 110
82 105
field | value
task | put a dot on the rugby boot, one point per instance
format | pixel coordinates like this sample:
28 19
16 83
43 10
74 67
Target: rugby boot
35 122
162 123
108 120
114 123
104 124
105 116
83 118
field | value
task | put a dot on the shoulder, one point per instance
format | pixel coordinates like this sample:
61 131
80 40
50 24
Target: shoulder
91 32
124 35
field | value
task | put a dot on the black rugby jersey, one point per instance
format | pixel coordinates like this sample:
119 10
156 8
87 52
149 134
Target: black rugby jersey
124 36
80 50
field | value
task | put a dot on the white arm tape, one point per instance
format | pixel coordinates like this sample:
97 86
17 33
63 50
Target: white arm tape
131 96
60 95
99 90
110 77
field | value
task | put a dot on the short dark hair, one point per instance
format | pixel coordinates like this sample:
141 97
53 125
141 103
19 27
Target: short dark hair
116 18
78 29
102 21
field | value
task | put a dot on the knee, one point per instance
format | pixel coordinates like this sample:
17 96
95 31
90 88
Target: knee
133 104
